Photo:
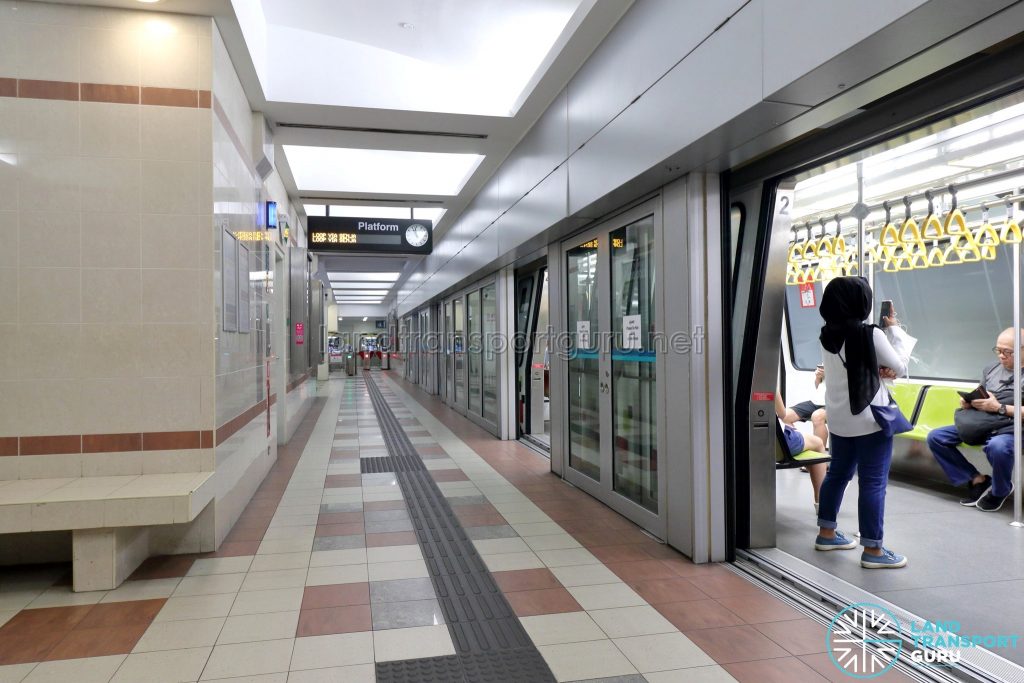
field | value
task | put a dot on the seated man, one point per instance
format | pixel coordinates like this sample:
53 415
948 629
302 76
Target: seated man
984 492
809 410
797 443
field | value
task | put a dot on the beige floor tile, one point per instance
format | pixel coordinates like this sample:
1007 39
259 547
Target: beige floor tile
552 542
567 558
702 674
512 561
15 673
556 629
582 661
220 565
180 635
584 575
262 678
361 673
279 533
390 571
497 546
412 643
209 585
662 652
285 545
172 666
394 553
606 596
623 622
273 563
63 596
142 590
339 650
325 576
7 616
333 558
196 607
252 627
249 659
282 578
263 602
90 670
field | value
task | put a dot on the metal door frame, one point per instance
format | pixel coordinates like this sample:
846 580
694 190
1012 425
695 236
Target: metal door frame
602 490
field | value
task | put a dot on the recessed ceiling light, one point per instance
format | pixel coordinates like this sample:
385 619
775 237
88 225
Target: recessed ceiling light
404 24
339 169
365 284
364 318
149 2
364 277
361 292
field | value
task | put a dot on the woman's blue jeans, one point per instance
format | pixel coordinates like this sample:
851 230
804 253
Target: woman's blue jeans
870 456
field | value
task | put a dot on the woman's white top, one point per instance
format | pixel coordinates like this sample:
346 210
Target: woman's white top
841 420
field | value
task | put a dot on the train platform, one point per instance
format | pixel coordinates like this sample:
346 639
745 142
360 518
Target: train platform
395 540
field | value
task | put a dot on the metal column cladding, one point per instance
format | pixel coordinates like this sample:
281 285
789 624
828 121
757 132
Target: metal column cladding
490 642
371 235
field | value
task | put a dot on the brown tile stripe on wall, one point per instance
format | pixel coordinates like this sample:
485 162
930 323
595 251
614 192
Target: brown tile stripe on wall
297 382
103 92
69 444
228 429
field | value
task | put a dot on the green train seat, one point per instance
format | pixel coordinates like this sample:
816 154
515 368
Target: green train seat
936 410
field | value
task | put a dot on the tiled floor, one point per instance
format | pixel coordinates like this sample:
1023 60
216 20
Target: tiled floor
322 576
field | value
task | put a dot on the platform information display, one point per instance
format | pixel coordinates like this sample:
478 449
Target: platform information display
370 235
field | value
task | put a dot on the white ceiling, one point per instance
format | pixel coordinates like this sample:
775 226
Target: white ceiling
470 77
458 56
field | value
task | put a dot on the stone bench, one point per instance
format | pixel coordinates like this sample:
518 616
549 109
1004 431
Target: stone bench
110 517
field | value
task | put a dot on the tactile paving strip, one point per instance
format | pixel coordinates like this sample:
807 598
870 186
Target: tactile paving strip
376 465
489 640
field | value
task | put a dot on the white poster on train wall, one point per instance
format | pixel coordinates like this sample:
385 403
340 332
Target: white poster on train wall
807 295
583 334
631 332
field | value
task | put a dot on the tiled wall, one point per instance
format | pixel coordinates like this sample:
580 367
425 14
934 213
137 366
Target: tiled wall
106 271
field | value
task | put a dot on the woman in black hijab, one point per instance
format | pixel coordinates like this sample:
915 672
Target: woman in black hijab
855 354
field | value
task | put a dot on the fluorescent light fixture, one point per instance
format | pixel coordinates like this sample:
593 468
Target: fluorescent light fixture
364 277
364 318
362 292
315 209
368 284
339 169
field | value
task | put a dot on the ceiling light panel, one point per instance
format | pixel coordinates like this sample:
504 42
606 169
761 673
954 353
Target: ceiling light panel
315 209
362 292
337 169
366 284
364 277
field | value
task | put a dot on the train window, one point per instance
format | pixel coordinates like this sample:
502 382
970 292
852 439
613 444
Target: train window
931 220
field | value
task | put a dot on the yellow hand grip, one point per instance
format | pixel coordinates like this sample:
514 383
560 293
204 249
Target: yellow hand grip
796 253
839 246
955 223
986 236
969 252
918 259
909 232
792 274
952 254
1011 233
932 229
936 257
810 250
850 269
824 247
988 253
890 236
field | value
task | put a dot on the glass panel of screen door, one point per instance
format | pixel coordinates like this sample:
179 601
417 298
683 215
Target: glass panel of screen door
489 316
634 403
584 402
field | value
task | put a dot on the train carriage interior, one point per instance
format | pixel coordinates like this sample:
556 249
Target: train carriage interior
932 220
